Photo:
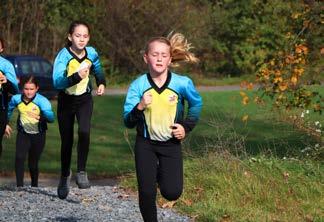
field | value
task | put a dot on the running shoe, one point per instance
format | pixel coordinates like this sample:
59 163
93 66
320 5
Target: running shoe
82 180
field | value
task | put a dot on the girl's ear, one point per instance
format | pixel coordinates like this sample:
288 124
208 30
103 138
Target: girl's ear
70 37
145 58
37 88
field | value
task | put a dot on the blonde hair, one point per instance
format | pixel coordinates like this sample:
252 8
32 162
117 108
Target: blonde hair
179 48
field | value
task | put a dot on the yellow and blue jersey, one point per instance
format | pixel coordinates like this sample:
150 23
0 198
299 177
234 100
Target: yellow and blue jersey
39 106
7 69
167 106
65 71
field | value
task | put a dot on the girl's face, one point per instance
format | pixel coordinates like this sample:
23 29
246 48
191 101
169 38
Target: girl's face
158 57
30 90
80 37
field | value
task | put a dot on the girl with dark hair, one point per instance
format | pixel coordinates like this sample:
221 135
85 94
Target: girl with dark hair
34 113
71 75
8 85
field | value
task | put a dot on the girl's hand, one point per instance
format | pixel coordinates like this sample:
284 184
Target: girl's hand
178 131
3 78
101 90
145 101
84 72
8 131
33 115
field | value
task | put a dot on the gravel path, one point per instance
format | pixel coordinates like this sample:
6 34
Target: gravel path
99 203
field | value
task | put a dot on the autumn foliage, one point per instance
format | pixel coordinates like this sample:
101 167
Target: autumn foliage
281 79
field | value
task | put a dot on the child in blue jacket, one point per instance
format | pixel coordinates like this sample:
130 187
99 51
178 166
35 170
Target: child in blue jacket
155 106
34 112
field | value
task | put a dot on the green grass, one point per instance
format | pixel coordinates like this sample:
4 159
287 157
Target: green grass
234 170
109 154
253 189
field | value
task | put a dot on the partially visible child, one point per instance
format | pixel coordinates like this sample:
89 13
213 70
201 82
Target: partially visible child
8 84
34 112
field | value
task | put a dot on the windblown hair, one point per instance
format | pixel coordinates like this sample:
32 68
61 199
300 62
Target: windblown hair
179 48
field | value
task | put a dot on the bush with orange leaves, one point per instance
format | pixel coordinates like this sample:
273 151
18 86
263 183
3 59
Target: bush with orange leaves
281 80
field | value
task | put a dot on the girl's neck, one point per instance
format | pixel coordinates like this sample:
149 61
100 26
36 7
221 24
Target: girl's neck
79 53
27 100
159 78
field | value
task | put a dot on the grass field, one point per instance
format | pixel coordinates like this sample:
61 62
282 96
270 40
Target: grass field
234 170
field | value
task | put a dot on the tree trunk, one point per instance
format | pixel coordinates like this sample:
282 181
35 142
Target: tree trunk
21 29
36 40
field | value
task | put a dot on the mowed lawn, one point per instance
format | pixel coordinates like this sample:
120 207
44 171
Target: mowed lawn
109 154
235 170
111 143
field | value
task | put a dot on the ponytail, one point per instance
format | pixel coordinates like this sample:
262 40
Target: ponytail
179 48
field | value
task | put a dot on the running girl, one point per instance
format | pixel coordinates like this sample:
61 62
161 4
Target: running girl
71 75
34 113
8 84
155 105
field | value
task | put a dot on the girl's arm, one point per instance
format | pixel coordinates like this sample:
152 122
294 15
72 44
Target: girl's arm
194 106
131 113
12 105
97 69
45 107
12 83
60 79
46 110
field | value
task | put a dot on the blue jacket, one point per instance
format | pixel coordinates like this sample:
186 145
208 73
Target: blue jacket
167 106
7 69
39 105
65 71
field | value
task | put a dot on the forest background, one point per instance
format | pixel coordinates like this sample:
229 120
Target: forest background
231 38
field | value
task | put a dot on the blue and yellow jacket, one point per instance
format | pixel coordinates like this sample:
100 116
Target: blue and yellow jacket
167 106
65 72
7 69
39 105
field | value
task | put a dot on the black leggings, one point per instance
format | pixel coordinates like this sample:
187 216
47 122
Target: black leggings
157 163
68 108
33 144
3 122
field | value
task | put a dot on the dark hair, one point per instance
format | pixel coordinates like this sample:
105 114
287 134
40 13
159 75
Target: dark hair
72 27
29 79
2 42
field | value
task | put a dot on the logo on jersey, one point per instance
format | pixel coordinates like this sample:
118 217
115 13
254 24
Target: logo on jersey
172 98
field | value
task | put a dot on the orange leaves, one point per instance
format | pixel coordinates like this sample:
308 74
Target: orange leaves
169 204
246 85
281 79
245 118
245 98
294 80
299 49
187 202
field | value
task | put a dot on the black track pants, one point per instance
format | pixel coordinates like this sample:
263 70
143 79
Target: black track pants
3 122
33 144
68 108
157 163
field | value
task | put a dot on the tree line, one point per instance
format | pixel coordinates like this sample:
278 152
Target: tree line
230 37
